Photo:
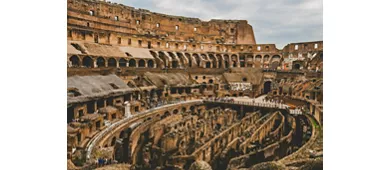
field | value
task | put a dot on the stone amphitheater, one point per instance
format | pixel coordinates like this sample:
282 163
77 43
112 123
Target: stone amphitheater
154 91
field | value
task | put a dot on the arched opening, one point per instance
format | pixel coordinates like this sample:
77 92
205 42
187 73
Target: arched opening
214 60
111 62
197 59
226 59
122 62
267 87
75 60
258 58
88 62
175 111
266 58
132 63
100 62
175 64
189 59
242 61
162 56
208 64
192 108
150 63
297 66
141 63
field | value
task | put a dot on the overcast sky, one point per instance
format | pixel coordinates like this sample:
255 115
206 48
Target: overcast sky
274 21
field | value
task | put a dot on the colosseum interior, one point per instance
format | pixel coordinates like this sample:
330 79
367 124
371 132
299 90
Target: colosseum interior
154 91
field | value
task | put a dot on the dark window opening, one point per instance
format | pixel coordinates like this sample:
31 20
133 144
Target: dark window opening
129 41
96 38
140 42
81 113
114 86
119 40
132 63
141 63
150 63
97 125
149 44
90 107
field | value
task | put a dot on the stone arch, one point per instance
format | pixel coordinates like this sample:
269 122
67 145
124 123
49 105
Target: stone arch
204 57
75 60
208 64
122 62
227 61
159 62
266 58
150 64
182 59
141 63
87 62
189 58
296 65
100 62
242 61
111 62
175 111
175 61
165 59
214 61
258 58
234 60
221 64
197 60
132 63
275 57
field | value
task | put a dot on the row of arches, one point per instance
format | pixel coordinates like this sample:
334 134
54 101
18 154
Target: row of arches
99 62
180 60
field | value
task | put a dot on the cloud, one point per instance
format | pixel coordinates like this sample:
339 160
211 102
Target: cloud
274 21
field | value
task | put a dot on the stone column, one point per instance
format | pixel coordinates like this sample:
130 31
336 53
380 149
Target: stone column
127 109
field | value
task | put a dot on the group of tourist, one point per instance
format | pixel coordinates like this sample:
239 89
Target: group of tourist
221 99
104 161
